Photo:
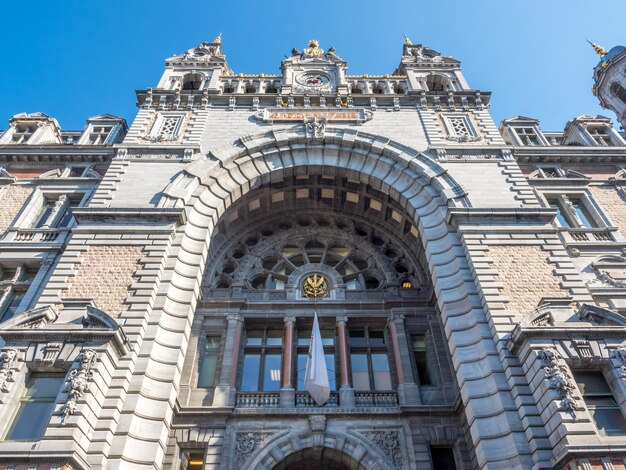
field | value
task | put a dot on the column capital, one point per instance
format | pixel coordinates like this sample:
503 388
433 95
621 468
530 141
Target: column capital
290 320
395 318
234 317
342 319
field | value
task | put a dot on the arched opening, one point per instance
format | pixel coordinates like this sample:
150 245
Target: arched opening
250 88
229 88
437 83
192 81
271 88
318 458
619 91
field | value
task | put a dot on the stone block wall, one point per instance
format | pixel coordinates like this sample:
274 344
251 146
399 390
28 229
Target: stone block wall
613 204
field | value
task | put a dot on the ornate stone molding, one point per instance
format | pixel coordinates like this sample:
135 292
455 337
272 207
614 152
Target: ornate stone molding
315 128
246 444
77 382
7 357
619 356
558 379
389 443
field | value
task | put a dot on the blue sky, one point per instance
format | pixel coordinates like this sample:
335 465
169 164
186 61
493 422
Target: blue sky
76 58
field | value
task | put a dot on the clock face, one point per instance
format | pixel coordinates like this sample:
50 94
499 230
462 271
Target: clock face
313 80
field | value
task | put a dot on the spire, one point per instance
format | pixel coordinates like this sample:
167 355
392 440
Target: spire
407 41
599 49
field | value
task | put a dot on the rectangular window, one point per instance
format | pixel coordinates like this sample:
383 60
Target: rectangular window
583 213
369 360
36 406
99 135
44 213
527 135
601 136
22 134
600 402
191 460
208 365
443 458
262 360
561 217
421 360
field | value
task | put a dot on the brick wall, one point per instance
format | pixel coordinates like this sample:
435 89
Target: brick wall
105 275
525 275
612 204
12 199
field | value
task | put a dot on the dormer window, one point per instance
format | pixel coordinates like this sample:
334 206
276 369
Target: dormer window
22 133
600 135
551 172
99 134
192 81
527 135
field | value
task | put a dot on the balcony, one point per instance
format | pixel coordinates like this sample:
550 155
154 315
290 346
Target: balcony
376 398
257 400
265 401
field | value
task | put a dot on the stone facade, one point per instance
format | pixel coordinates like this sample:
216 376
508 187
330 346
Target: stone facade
473 278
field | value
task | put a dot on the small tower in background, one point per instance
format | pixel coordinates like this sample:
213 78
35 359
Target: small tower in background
610 80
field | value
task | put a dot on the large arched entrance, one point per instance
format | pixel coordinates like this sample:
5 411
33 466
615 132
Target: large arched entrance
318 458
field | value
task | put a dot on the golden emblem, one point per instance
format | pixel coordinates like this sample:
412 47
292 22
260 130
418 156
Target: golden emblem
315 286
314 49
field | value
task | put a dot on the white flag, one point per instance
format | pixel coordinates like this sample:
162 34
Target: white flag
316 378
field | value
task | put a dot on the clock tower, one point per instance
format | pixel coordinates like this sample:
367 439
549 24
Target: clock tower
314 71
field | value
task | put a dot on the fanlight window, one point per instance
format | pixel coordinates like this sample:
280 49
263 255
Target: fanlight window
360 258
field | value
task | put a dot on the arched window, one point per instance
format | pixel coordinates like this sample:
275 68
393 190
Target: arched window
619 91
379 89
437 83
192 81
356 89
250 88
271 88
400 89
229 88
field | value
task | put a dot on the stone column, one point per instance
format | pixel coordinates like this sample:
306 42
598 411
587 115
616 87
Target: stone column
408 391
346 392
287 390
225 390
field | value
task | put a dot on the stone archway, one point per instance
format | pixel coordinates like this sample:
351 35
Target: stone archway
318 458
424 191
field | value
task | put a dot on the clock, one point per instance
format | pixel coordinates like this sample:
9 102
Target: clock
313 80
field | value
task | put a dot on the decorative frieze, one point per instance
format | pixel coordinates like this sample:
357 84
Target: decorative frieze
389 443
6 368
558 379
245 445
77 382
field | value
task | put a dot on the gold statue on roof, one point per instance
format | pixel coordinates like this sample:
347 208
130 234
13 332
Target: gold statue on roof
599 49
407 41
313 49
218 39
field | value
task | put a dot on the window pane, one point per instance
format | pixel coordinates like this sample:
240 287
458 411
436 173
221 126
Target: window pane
382 377
254 338
328 337
7 274
44 213
560 216
274 337
208 366
31 421
610 421
12 307
250 372
583 214
301 371
360 372
330 366
377 338
591 382
45 387
357 337
271 374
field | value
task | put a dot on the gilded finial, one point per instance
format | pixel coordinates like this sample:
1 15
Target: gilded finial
313 50
599 49
218 39
407 41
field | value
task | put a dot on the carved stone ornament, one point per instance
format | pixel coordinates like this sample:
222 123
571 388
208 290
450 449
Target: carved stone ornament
619 355
245 445
6 368
389 443
315 128
77 382
558 379
464 138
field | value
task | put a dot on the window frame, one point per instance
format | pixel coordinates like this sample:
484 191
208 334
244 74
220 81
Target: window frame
17 285
305 327
566 202
156 131
522 138
29 217
26 399
414 353
610 394
472 133
203 355
368 349
262 350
